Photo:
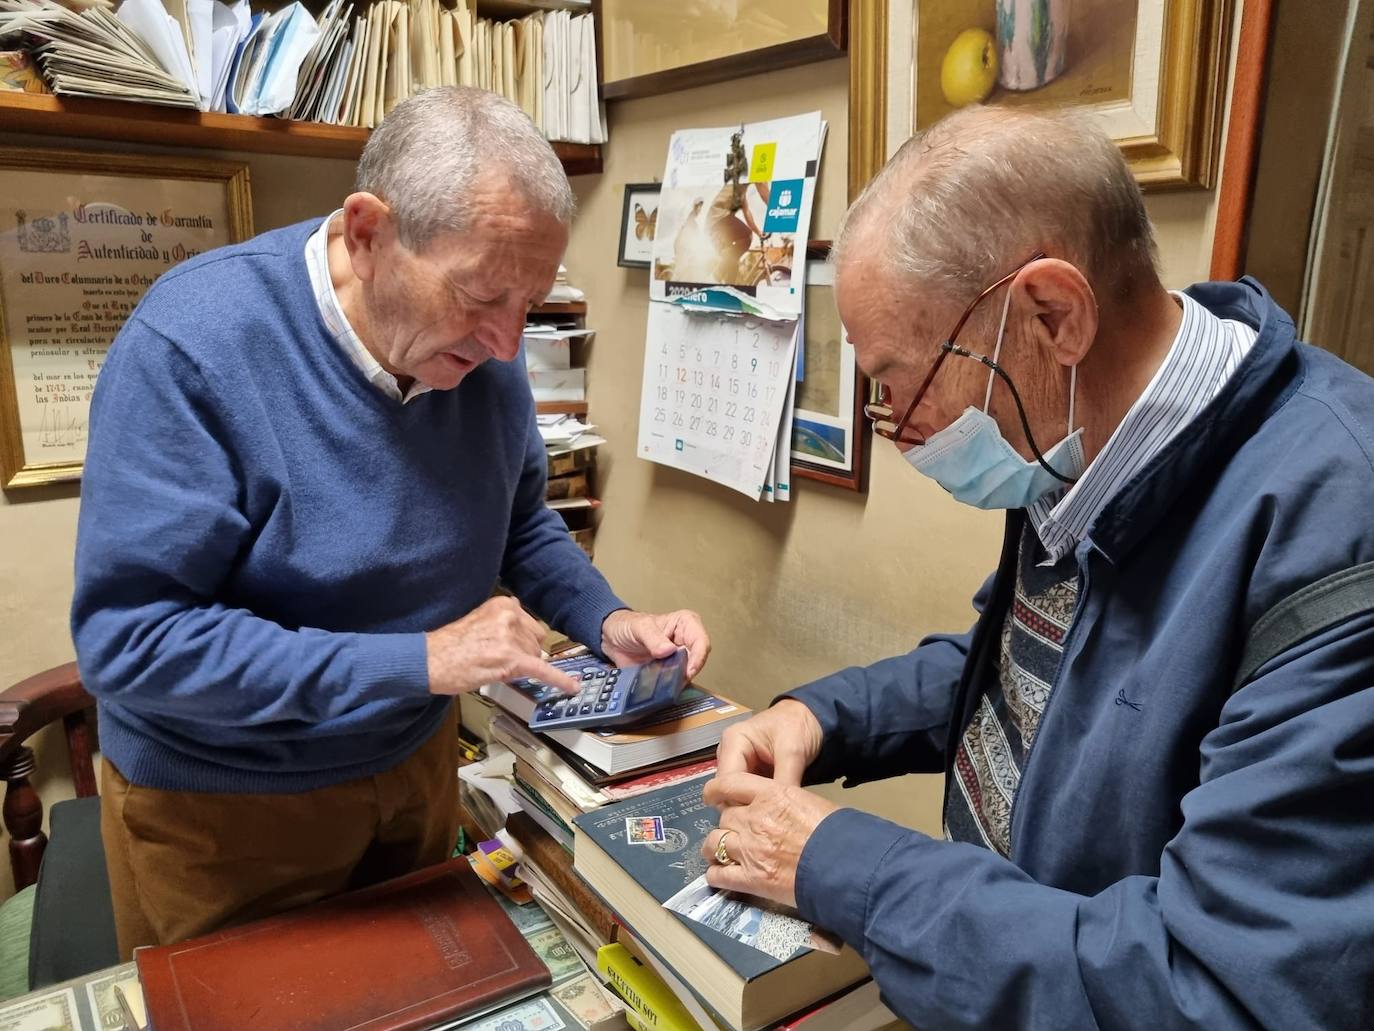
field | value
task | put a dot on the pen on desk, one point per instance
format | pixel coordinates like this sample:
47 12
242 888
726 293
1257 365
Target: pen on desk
126 1012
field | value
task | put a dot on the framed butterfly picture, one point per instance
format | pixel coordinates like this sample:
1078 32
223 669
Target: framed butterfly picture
638 219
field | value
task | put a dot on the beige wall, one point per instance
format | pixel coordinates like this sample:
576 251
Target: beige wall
789 591
38 527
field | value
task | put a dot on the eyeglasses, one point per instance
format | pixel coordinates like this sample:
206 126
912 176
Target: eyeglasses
880 412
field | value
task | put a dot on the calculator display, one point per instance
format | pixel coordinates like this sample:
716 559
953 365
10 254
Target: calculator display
646 682
608 696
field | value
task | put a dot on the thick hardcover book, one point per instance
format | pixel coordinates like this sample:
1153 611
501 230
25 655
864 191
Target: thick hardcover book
599 778
410 953
759 966
692 724
555 861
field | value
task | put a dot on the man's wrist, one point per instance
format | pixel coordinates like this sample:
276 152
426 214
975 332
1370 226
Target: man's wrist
607 623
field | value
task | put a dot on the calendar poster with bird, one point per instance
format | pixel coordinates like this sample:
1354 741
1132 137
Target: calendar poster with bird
735 211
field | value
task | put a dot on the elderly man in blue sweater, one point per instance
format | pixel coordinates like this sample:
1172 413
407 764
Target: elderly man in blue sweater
1156 796
313 456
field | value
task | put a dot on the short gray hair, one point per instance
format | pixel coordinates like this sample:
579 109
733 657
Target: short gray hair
430 149
984 188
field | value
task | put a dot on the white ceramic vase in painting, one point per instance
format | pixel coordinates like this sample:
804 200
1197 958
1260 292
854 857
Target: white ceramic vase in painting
1032 38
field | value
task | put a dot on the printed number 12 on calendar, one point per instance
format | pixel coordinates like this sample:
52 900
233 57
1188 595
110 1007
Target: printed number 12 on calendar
713 394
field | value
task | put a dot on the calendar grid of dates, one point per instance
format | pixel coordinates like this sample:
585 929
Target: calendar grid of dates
714 392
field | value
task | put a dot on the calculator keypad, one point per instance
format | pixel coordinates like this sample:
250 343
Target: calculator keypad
599 692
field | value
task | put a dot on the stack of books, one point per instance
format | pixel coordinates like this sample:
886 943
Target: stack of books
610 836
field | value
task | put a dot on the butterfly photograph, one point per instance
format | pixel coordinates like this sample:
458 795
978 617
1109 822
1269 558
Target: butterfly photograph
638 223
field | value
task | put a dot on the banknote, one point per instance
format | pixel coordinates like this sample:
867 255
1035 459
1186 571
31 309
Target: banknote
558 955
46 1011
531 1015
527 918
585 999
101 994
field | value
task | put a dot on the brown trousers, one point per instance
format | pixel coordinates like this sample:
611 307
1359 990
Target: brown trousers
185 863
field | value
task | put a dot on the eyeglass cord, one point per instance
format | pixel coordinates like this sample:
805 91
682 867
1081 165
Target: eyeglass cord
1020 409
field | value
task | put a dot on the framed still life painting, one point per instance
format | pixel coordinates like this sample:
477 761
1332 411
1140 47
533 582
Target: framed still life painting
1151 72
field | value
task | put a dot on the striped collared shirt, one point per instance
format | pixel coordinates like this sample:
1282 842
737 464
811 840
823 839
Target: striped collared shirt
1204 354
322 286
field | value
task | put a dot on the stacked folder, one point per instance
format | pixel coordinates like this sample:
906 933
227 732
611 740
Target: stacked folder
349 66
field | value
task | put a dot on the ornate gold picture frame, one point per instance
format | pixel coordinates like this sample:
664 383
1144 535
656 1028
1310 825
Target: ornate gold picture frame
1165 110
82 237
652 48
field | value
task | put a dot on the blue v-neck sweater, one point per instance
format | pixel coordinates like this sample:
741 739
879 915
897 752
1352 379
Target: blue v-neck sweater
265 537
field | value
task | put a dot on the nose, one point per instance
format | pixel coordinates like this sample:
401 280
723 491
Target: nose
501 331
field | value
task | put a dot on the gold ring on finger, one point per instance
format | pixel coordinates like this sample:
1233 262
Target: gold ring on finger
722 856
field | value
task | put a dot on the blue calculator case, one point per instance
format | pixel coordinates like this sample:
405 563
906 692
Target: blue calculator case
611 696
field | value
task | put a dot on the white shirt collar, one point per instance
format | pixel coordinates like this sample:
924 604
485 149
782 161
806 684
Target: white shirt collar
1205 352
322 286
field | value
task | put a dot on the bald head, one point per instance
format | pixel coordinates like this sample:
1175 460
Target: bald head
983 189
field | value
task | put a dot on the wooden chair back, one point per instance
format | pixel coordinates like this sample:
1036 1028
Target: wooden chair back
26 708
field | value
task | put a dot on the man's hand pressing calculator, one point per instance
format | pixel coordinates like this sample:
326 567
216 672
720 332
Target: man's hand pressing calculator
611 696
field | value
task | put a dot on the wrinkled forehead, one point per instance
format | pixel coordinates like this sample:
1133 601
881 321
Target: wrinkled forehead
518 246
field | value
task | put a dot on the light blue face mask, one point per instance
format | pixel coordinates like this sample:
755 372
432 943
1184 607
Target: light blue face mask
973 461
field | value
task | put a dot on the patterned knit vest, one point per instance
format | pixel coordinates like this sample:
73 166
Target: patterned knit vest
997 742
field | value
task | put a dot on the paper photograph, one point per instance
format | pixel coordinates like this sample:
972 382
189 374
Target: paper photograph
765 926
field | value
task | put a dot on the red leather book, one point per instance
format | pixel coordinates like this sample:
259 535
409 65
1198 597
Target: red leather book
405 954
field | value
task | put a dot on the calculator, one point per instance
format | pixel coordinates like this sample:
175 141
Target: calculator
611 695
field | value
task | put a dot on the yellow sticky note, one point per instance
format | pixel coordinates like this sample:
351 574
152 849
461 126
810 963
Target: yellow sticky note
761 166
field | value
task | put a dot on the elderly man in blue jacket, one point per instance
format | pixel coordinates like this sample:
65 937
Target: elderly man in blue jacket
1147 825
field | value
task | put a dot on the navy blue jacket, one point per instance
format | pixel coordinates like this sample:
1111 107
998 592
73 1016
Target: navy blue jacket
1201 858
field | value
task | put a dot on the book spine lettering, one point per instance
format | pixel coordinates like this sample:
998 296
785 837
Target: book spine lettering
642 991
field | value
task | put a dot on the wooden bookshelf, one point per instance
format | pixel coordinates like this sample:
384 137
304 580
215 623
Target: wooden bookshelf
150 123
561 407
561 308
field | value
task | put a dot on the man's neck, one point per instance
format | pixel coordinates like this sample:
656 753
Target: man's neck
348 288
1122 362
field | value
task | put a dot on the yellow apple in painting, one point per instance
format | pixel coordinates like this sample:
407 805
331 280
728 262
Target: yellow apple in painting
969 69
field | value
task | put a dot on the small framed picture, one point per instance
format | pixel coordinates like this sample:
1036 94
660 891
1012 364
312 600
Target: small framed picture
829 431
638 219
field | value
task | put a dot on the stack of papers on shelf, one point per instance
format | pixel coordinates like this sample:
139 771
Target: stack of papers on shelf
263 81
95 53
549 385
564 292
348 67
562 430
549 347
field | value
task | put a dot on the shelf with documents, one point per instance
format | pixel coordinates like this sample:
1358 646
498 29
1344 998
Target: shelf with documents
555 367
561 407
149 123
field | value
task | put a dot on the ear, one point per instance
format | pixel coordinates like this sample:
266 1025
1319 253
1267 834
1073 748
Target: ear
368 232
1061 308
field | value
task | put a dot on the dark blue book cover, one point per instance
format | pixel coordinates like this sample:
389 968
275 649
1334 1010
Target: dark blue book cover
664 868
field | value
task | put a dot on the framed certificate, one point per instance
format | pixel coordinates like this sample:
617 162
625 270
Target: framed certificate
82 237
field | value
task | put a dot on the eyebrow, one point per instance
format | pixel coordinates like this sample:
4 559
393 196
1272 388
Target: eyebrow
454 285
